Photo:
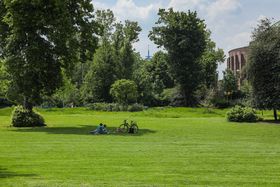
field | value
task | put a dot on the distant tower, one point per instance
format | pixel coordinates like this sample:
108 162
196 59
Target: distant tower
149 56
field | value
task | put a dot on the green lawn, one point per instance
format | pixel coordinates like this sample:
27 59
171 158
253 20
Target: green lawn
175 147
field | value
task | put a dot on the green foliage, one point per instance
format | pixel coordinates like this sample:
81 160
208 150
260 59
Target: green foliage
209 60
220 103
264 66
115 107
101 75
160 72
37 44
152 78
242 114
4 80
104 107
183 35
68 94
229 84
126 62
124 91
135 107
124 49
25 118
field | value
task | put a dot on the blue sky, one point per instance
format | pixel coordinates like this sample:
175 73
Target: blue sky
231 21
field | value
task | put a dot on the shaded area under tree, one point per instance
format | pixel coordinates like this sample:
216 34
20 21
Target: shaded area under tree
81 130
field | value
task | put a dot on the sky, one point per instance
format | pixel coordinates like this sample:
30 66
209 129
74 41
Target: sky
230 21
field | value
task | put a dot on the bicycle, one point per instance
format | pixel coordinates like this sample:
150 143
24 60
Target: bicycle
129 128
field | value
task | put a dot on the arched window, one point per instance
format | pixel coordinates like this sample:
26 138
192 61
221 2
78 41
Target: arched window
243 61
237 62
232 63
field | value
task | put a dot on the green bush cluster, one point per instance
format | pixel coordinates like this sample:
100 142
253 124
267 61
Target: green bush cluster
115 107
25 118
242 114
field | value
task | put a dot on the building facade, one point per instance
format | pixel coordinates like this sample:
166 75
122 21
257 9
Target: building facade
236 61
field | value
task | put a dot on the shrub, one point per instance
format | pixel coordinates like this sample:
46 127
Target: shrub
25 118
242 114
124 91
115 107
135 108
220 103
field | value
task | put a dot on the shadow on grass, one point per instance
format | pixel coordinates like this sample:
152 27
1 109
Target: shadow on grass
271 122
81 130
4 173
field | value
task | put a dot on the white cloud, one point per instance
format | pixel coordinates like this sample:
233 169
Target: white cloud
239 40
99 5
209 8
187 4
127 9
221 7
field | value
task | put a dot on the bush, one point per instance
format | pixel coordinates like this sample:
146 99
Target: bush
25 118
220 103
135 108
242 114
115 107
104 107
124 91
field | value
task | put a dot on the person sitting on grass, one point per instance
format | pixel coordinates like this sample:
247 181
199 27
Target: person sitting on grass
105 131
98 130
101 129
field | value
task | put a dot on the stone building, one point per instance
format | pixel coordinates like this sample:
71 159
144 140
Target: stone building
237 60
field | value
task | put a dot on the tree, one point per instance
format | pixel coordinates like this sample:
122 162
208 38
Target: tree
264 66
101 75
229 83
4 80
160 72
124 91
39 38
183 35
210 59
131 31
68 94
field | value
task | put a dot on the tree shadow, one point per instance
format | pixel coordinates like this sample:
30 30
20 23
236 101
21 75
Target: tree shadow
273 122
81 130
4 173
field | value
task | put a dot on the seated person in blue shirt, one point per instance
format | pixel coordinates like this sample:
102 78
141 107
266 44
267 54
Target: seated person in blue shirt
101 129
98 130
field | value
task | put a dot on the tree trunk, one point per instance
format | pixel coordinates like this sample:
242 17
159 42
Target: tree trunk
27 105
275 114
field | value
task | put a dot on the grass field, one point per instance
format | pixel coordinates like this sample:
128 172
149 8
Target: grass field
175 147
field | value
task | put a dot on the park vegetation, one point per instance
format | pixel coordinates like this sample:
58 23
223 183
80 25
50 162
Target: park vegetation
85 57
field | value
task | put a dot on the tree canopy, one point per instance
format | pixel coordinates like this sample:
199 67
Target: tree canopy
38 38
264 66
183 35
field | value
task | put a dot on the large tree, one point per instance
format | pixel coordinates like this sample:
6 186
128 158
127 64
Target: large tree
183 35
4 80
229 83
39 38
127 59
101 75
210 59
264 66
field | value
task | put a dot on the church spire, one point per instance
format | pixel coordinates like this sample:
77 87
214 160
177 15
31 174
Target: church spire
148 57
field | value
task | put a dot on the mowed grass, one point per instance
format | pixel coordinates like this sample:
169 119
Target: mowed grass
175 147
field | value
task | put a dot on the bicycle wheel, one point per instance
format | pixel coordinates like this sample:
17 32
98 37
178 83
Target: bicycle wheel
123 128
